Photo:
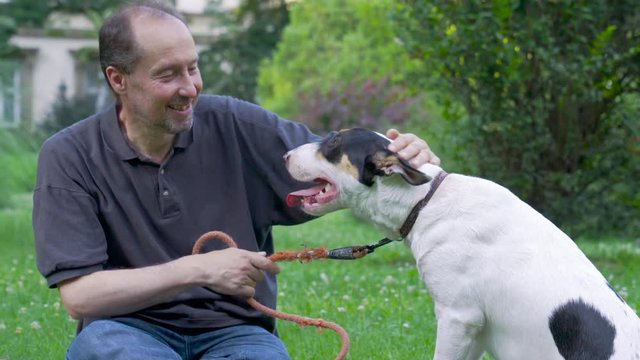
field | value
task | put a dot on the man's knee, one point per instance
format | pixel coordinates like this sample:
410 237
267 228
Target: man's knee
246 342
270 353
253 353
107 339
98 334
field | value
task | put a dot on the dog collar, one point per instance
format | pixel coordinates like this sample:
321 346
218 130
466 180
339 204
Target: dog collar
413 215
358 251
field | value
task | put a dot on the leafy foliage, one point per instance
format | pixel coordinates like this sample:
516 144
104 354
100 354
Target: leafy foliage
373 105
230 65
29 13
546 89
329 46
66 111
34 13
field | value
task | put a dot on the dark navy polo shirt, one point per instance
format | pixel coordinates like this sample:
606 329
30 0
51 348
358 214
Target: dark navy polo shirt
98 205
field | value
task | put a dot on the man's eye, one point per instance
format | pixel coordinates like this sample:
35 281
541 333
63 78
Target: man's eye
166 76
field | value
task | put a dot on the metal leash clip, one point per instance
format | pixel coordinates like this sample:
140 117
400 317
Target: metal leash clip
357 251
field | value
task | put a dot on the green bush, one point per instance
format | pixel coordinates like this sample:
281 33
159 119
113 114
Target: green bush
547 91
66 111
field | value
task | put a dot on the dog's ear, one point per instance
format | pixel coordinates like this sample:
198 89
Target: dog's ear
385 163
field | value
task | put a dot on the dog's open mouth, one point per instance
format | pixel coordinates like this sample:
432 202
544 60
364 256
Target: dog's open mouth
322 193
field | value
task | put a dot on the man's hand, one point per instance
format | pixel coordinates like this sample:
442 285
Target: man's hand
234 271
411 148
115 292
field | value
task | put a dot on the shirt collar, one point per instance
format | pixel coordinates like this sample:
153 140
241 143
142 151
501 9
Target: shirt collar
116 142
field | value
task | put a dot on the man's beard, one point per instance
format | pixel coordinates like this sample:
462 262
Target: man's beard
173 127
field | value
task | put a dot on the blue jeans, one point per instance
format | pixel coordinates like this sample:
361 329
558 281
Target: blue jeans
115 340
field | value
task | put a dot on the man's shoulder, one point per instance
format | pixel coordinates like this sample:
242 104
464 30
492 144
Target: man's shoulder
77 134
236 111
225 105
208 102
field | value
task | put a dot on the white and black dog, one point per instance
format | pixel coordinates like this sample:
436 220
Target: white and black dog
504 279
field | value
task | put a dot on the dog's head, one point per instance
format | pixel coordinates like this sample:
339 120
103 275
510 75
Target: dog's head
345 162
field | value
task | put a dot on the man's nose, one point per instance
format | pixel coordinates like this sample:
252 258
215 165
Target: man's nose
190 87
287 156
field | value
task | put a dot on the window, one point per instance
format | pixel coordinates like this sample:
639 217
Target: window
90 77
10 98
90 82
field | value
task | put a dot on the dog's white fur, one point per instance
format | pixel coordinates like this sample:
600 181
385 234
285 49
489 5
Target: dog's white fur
495 267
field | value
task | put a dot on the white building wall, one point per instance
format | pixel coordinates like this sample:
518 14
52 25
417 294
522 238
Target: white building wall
53 65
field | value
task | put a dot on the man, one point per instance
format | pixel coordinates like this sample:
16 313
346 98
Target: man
122 196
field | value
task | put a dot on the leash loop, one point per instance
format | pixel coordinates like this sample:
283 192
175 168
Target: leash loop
304 255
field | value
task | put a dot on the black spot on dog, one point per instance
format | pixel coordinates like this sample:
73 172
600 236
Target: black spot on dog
615 292
357 144
367 152
581 332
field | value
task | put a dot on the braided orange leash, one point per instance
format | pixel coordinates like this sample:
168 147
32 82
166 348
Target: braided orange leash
301 255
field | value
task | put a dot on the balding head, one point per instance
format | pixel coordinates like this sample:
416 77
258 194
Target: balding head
117 44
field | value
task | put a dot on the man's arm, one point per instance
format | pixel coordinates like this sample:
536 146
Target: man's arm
115 292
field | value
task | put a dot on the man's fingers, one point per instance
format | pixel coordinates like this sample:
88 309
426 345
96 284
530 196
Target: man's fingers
254 276
411 148
263 263
234 271
410 151
246 291
392 134
425 156
398 142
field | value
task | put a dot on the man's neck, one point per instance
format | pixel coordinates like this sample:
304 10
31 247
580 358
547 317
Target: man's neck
154 145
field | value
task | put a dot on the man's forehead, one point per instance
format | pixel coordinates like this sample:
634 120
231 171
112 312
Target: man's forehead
158 36
147 27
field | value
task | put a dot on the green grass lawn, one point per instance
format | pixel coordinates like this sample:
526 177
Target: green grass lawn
379 300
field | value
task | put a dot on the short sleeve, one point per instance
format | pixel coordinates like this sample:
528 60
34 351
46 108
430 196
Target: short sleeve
69 239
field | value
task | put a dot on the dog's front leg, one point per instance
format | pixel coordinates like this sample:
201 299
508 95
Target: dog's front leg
458 336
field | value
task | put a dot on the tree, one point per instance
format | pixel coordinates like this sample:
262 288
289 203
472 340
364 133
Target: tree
230 65
66 111
328 47
544 87
28 13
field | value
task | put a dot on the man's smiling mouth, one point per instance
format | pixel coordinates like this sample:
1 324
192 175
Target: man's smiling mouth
180 107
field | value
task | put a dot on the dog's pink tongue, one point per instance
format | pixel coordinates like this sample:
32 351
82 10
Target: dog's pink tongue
295 197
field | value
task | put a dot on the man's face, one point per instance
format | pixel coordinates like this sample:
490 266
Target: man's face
164 85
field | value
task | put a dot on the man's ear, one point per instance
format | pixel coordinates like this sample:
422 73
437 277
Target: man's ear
386 163
117 79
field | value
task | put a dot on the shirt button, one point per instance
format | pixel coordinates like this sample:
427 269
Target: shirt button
162 171
165 193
